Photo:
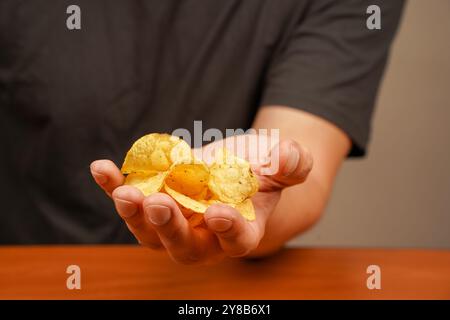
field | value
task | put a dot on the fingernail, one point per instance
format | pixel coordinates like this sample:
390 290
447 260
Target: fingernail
292 161
125 208
219 224
158 215
100 178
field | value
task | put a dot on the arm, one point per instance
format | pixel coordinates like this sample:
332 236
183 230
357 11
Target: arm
301 205
157 221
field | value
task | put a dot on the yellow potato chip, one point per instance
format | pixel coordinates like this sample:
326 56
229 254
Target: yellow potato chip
181 153
185 201
148 183
231 179
158 161
156 152
246 209
189 179
213 201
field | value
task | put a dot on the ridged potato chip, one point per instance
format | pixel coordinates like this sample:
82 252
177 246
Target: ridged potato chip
156 152
231 179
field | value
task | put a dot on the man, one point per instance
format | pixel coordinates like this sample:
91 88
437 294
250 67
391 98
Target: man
68 97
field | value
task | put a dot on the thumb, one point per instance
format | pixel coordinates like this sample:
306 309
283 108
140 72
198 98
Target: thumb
289 164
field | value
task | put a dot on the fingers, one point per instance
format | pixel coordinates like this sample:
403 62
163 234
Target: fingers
183 243
128 201
107 175
237 236
294 161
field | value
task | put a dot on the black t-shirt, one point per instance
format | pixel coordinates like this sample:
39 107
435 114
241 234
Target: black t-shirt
68 97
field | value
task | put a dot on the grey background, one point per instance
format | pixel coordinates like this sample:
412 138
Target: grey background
399 196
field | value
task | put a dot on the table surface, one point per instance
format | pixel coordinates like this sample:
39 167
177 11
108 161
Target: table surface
131 272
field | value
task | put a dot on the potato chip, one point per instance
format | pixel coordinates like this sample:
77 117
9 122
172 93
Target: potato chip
246 209
231 179
156 152
158 161
189 179
181 153
185 201
148 183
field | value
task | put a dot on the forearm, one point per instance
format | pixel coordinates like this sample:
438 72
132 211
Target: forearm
300 206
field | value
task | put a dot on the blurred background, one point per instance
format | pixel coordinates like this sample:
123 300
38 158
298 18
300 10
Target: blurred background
399 196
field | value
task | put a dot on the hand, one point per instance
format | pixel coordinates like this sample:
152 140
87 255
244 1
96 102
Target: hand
157 222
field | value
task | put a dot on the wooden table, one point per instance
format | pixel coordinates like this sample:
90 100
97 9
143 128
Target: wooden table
130 272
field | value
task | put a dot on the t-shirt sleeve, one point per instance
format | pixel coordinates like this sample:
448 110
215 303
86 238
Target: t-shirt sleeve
330 64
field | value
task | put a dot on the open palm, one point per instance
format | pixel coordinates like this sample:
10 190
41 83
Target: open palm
158 222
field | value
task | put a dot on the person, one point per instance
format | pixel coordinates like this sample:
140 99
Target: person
310 68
